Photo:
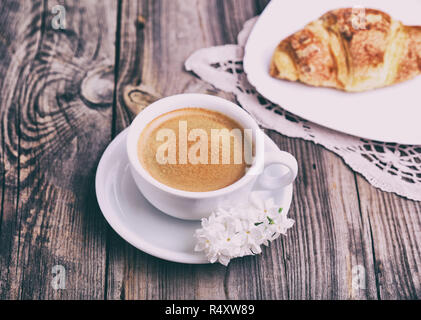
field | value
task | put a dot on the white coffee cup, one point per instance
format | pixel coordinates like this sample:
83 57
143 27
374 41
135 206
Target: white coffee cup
196 205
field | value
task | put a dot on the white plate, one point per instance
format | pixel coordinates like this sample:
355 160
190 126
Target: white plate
141 224
391 114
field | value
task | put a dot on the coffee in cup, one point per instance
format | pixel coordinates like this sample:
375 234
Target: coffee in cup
195 149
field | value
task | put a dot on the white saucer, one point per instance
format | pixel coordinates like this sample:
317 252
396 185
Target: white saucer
141 224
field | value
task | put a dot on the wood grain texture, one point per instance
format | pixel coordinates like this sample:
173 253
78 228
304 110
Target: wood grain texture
395 225
56 114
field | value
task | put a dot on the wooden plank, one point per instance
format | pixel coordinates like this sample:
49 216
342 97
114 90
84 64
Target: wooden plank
56 121
9 181
330 237
148 69
395 225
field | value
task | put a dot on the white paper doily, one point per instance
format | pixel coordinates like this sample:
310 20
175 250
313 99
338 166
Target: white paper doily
388 166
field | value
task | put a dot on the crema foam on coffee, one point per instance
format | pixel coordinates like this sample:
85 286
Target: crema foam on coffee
195 149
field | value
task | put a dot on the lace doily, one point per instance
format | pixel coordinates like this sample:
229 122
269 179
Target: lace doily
388 166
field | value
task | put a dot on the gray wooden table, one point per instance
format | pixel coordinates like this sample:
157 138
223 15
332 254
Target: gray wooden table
66 93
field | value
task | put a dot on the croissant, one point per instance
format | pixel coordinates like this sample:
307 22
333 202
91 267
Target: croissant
350 52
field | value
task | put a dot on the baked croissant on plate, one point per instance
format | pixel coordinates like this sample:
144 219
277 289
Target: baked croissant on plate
350 52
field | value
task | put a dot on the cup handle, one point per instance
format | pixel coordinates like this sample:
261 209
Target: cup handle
283 176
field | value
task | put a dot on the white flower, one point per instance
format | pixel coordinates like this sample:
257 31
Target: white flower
254 238
240 230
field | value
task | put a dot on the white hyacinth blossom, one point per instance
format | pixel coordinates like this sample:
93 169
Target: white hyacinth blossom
241 230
